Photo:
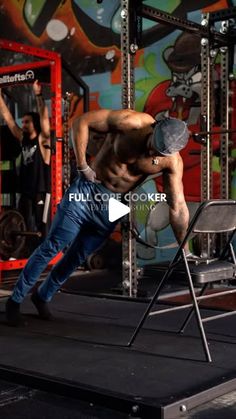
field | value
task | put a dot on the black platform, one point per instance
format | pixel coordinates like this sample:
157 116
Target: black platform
80 353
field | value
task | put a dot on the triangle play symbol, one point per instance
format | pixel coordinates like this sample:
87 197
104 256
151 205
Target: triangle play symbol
116 209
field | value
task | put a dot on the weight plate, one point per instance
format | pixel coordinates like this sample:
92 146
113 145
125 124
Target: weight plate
11 222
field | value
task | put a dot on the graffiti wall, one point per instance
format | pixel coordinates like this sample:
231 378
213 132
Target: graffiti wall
167 69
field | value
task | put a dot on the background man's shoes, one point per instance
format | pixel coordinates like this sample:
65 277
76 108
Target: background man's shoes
13 315
42 307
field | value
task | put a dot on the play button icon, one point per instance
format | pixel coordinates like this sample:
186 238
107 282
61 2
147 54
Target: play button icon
116 209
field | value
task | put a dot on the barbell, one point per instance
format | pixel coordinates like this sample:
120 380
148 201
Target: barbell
199 136
13 233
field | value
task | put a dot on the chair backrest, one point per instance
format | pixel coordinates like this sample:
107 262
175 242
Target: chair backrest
215 216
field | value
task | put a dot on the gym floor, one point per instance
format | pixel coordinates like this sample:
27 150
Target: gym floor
83 353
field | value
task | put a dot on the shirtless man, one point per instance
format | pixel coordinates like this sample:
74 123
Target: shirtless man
135 147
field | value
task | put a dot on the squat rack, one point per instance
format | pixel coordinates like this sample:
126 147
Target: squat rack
52 61
212 43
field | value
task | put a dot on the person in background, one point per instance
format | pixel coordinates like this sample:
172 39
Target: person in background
34 178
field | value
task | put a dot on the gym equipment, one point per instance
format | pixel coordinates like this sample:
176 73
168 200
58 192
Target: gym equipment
215 216
213 41
13 233
46 66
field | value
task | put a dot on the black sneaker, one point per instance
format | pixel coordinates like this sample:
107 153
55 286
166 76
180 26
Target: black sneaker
13 315
42 307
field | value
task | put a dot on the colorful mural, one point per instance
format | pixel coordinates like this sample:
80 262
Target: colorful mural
87 35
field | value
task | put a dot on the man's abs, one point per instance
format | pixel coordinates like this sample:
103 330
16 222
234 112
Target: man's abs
114 175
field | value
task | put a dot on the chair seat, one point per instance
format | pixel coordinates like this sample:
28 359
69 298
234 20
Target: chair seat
212 272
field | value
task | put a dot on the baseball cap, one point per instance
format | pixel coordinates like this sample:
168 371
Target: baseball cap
169 136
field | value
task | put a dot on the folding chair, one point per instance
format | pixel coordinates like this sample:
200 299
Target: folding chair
215 216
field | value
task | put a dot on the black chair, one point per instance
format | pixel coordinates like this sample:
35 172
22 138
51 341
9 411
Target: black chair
215 216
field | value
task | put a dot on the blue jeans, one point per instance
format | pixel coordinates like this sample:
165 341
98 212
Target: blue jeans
81 224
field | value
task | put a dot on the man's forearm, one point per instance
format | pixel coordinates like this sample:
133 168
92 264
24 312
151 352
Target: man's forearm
9 120
80 142
40 103
43 114
4 111
179 220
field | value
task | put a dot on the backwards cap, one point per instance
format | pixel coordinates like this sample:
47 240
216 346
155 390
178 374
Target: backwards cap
169 136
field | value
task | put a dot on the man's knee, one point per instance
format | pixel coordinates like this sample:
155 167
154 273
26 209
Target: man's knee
50 246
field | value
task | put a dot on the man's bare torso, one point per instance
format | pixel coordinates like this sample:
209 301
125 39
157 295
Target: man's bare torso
124 162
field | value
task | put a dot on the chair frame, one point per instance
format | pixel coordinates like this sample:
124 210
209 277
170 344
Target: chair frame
181 256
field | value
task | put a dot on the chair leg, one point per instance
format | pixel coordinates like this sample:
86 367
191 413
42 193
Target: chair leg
190 314
232 253
157 292
197 311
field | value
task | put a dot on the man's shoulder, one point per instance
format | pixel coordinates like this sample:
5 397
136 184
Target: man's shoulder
134 120
142 115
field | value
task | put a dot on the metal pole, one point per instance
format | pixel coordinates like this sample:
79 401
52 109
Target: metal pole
206 125
206 112
129 271
224 143
127 58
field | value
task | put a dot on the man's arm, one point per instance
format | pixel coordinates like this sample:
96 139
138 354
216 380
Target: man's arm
96 120
42 110
44 138
173 187
8 118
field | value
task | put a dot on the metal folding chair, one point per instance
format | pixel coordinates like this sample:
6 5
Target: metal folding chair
215 216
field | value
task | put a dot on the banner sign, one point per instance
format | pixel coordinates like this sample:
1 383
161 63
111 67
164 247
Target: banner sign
25 76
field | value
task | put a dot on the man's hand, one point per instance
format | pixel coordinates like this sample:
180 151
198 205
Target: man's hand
37 88
190 255
89 174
